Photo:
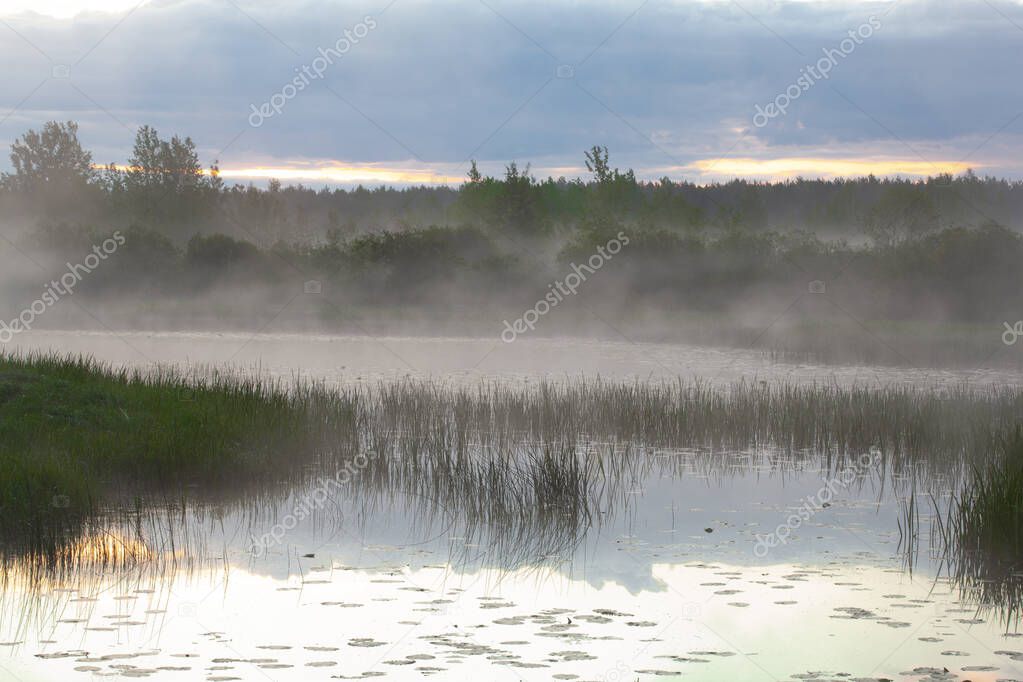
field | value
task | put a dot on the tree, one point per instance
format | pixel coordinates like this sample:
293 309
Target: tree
50 166
165 181
666 206
474 175
482 199
597 163
518 203
903 212
613 190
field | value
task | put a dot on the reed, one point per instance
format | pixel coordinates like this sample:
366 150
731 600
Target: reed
982 532
78 439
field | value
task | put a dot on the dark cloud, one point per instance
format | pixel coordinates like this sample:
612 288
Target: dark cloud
662 86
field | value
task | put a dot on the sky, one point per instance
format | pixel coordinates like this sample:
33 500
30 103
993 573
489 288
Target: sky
407 92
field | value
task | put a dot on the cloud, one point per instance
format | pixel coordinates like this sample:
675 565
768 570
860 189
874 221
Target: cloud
433 84
788 167
63 9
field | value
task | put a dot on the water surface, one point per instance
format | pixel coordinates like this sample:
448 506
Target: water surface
667 577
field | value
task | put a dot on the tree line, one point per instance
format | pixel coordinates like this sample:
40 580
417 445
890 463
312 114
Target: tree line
943 248
163 185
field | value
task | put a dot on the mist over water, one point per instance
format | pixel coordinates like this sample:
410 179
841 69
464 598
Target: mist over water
662 574
515 340
467 361
670 460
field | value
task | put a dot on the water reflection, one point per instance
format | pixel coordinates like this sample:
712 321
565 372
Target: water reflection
651 573
526 532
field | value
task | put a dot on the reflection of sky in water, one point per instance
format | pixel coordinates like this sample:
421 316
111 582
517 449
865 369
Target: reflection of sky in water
645 593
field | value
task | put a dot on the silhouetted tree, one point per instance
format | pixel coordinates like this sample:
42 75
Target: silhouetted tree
51 169
164 180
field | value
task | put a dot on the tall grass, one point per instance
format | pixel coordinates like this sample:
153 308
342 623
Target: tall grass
78 439
910 424
983 532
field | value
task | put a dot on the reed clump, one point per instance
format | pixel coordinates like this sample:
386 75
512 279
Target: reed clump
983 532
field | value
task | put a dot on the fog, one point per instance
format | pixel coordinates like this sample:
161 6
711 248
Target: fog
895 284
667 340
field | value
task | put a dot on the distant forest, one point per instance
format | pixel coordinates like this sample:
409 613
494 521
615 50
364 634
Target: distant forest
163 186
944 248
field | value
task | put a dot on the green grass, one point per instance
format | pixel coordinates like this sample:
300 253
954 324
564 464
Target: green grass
75 436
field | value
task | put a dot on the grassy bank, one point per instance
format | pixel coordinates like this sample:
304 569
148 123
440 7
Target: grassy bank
75 435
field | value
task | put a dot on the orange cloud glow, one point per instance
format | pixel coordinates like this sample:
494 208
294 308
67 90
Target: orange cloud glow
345 174
765 169
812 167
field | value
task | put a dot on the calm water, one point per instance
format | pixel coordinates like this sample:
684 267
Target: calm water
349 359
669 579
